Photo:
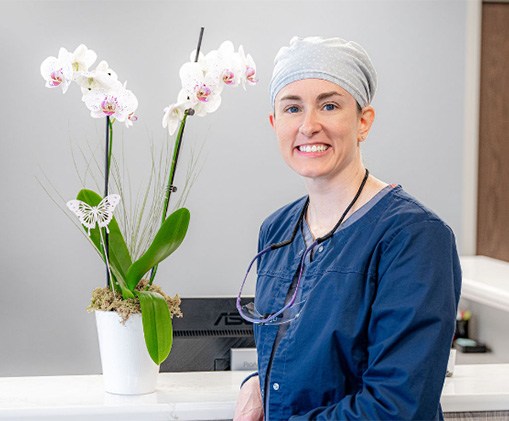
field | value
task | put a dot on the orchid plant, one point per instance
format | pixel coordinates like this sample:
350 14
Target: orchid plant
203 79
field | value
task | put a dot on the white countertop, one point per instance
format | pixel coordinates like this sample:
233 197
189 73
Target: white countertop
184 396
203 396
477 387
486 281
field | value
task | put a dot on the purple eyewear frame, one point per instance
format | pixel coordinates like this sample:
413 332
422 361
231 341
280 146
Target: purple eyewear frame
272 317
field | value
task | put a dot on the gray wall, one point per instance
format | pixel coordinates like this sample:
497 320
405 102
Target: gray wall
47 268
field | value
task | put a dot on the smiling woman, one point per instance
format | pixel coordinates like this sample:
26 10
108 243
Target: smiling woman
358 283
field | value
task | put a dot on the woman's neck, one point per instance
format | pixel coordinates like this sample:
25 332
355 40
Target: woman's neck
328 199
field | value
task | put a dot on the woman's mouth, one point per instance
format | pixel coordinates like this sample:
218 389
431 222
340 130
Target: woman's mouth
318 147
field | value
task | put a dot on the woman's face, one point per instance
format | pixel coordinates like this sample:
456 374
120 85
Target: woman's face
319 128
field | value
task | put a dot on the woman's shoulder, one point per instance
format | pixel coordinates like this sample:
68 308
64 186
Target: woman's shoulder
403 204
402 210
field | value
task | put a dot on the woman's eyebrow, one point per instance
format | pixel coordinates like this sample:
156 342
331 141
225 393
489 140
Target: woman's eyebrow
327 95
321 97
291 98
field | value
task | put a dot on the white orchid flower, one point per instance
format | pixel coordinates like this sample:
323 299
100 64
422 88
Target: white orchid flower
57 71
249 65
174 113
82 59
102 78
119 103
225 64
200 88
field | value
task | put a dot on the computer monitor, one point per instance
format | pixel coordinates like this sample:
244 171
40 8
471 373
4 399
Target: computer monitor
203 338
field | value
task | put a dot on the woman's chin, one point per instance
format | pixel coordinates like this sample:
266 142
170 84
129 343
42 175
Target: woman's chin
313 175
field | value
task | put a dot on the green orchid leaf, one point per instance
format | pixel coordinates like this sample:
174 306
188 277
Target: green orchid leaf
167 240
120 284
119 257
157 326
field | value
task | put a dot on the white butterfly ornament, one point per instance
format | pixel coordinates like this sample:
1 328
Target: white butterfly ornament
92 215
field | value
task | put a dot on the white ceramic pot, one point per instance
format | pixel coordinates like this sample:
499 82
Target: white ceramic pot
126 363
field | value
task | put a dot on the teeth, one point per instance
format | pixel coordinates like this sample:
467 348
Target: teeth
313 148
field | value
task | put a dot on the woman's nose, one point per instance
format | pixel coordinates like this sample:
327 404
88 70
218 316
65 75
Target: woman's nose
310 124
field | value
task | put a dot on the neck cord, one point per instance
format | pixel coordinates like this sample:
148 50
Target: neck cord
333 230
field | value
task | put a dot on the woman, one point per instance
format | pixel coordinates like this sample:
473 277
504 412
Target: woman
358 282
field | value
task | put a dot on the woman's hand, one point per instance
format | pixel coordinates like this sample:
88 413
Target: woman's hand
249 403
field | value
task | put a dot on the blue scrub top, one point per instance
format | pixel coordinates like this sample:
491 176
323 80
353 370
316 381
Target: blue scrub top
373 338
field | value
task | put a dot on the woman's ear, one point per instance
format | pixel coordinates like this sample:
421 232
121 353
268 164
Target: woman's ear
272 120
366 121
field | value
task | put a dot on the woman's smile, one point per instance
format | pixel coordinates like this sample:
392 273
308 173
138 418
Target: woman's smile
314 149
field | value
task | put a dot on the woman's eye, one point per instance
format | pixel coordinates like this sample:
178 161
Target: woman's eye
329 107
292 109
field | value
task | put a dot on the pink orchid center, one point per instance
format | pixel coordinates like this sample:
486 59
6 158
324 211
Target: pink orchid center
203 92
56 77
228 77
109 105
251 74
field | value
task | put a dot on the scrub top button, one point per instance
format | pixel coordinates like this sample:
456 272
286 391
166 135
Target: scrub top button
275 386
320 249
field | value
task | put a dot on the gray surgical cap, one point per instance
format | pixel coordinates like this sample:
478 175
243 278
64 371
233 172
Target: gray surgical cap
344 63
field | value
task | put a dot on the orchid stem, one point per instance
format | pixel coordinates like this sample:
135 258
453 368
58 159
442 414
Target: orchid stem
108 271
170 188
176 152
110 147
107 162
